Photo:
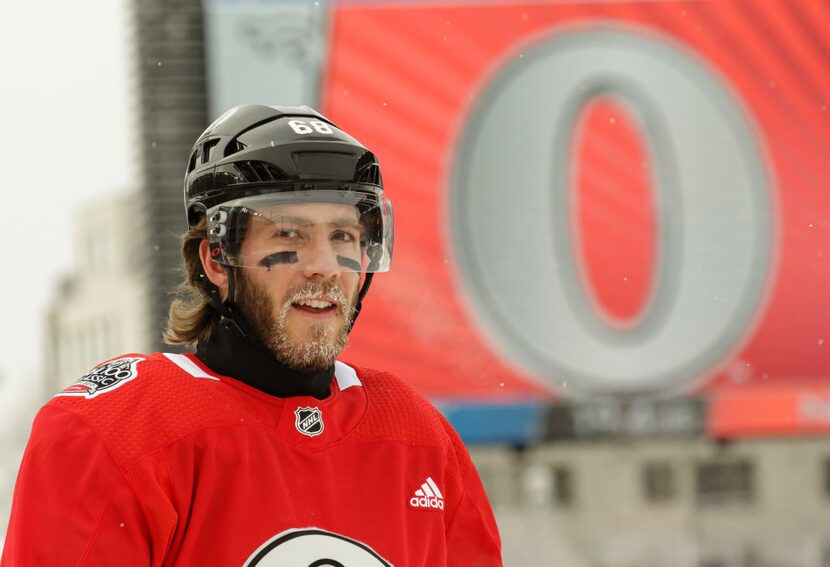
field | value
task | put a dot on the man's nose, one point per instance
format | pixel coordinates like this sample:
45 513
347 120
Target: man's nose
319 260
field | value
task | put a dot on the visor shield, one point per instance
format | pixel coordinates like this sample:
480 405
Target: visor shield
349 231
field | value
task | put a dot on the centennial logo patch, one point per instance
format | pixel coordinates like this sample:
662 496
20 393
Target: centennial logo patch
104 378
309 421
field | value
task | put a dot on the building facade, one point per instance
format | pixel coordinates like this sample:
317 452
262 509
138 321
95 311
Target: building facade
172 112
100 308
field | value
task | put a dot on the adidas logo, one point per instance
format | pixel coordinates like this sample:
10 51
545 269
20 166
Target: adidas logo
428 496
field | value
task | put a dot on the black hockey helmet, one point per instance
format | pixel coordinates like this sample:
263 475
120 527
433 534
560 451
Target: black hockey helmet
254 161
254 157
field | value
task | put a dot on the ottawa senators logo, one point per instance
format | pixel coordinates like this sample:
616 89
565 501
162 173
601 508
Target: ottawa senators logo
104 378
309 421
313 547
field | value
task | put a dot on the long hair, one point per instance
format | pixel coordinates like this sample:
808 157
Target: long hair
191 319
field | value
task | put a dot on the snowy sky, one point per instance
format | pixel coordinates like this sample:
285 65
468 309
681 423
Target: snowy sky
67 103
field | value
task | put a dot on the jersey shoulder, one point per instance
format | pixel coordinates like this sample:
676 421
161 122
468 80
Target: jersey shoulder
139 402
399 412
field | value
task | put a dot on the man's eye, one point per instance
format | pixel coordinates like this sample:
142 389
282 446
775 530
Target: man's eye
345 236
286 233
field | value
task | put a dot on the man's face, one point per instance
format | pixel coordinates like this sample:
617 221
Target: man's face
300 297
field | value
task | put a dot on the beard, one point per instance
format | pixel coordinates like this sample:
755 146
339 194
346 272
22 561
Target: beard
322 345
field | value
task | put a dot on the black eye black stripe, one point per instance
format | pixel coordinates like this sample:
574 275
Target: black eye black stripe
291 258
279 258
353 265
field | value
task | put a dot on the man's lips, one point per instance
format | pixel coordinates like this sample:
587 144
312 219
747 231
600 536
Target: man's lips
321 306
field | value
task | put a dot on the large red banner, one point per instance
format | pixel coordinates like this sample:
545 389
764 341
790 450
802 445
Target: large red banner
690 210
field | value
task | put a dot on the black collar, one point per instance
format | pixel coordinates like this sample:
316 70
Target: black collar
229 353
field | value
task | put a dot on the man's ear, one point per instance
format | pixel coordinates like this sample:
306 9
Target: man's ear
214 271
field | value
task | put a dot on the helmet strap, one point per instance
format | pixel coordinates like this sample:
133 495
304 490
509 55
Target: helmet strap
367 281
227 309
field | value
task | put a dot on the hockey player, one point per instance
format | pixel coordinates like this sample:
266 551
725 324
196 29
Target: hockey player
261 449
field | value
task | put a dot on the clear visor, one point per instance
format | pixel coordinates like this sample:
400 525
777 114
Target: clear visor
326 230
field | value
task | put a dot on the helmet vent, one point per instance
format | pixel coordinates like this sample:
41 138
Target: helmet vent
207 148
370 175
191 165
257 171
233 147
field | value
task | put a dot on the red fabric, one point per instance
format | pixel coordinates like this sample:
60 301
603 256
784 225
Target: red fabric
171 469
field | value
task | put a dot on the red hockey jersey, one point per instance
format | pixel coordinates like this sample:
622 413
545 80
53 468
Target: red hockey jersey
156 460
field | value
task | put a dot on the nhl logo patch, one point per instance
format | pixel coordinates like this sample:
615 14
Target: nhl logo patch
309 421
104 378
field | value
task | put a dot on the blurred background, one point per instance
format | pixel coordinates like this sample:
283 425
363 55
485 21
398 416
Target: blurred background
611 266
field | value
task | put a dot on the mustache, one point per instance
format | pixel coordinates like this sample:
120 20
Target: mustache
315 289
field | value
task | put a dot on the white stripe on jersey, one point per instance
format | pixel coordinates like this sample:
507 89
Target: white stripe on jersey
346 376
188 366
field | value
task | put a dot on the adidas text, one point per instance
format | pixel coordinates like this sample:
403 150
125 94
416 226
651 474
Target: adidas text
424 502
